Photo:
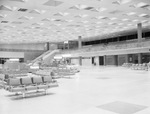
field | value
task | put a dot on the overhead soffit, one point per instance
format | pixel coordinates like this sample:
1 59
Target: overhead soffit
24 21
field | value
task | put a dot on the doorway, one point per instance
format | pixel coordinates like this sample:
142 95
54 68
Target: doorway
101 60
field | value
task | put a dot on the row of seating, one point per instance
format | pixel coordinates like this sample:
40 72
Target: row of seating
26 84
57 72
133 66
45 72
62 72
139 66
128 65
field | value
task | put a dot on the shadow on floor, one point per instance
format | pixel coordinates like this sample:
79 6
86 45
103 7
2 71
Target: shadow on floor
29 95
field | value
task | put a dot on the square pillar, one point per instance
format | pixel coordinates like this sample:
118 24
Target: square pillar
79 42
47 46
139 32
127 58
80 61
139 58
104 60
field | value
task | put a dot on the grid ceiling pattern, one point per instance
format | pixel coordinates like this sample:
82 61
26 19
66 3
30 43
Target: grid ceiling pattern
24 21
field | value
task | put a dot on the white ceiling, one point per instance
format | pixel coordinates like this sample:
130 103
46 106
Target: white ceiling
62 20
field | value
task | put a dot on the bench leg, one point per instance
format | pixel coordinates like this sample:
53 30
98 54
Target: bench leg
46 91
16 93
23 94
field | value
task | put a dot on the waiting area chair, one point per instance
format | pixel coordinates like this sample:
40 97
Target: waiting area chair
26 84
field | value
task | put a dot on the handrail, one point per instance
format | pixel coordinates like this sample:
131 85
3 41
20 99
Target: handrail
44 56
110 46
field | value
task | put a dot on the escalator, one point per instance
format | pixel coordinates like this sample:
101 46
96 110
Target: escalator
45 58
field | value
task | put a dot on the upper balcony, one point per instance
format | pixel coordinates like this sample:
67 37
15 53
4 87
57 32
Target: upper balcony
110 47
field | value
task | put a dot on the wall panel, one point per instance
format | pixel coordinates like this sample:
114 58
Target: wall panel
110 60
86 62
31 46
11 54
97 61
75 61
122 59
28 56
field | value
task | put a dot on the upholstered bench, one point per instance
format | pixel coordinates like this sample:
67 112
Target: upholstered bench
26 84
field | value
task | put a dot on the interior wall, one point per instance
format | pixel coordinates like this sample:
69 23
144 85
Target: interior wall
133 58
75 61
97 61
145 57
30 46
28 56
122 59
110 60
86 62
101 60
11 54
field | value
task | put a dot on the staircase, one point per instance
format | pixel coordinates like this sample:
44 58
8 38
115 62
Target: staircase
45 58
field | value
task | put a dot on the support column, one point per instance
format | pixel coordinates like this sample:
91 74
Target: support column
139 32
47 45
127 58
116 60
79 42
104 60
139 58
80 61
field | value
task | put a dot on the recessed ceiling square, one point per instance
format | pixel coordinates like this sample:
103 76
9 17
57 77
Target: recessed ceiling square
17 22
115 12
19 0
53 3
3 7
4 21
22 9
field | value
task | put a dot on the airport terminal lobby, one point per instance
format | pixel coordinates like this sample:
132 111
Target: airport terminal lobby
75 56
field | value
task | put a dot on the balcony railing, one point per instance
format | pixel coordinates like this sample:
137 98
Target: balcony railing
110 46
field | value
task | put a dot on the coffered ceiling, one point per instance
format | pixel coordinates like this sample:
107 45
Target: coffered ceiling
24 21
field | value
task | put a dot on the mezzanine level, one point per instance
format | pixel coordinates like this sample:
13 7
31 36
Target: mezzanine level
112 48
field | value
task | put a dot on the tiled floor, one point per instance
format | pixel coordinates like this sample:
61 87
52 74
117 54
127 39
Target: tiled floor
95 90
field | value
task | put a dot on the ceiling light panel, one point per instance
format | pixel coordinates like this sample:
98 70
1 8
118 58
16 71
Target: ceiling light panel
144 15
53 3
142 5
22 9
99 9
7 8
19 0
61 14
120 2
3 15
36 11
25 18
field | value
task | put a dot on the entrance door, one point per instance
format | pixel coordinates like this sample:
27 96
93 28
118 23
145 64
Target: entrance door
101 60
93 60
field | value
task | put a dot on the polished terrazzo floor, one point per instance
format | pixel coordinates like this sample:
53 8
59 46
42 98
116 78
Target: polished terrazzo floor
95 90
